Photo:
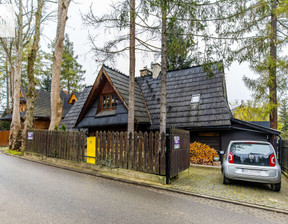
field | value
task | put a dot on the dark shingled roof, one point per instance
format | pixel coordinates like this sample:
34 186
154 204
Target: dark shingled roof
104 118
71 117
212 110
42 104
121 83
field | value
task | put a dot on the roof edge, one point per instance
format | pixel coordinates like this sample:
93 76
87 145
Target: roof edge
256 127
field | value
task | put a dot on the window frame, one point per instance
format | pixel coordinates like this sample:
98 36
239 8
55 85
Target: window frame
111 106
195 99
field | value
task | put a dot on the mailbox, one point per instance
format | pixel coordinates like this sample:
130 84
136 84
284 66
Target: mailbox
91 150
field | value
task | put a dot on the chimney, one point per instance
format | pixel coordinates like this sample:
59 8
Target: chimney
156 69
145 71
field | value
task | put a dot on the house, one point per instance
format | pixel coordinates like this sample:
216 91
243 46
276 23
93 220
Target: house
43 107
196 101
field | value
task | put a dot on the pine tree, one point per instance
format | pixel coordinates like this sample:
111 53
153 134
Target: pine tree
283 114
71 70
255 31
178 47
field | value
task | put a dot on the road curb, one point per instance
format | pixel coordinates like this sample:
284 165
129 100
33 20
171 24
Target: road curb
94 173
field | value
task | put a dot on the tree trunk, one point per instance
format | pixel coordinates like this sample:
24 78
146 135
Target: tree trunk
163 99
7 87
15 137
12 72
272 68
31 95
10 69
56 102
131 109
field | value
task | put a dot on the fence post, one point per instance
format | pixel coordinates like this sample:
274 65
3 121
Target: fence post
168 159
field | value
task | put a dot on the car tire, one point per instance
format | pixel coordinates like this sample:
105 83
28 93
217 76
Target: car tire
276 187
226 180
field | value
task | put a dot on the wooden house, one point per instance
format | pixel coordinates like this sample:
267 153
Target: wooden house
43 107
196 101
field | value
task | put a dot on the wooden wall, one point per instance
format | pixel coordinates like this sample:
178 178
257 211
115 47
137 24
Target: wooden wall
41 123
209 138
228 136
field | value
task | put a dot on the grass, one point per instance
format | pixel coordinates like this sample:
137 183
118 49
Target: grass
11 152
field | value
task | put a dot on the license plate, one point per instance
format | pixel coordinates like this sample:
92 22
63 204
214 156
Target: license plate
254 172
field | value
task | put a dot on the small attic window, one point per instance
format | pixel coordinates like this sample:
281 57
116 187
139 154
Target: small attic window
108 102
195 99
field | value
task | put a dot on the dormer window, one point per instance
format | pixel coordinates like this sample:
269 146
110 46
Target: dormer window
109 101
195 99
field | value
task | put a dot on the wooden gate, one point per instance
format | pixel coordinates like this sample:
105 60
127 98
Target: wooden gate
4 138
178 157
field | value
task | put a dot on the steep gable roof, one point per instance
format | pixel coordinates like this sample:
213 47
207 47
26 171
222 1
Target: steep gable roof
211 111
120 84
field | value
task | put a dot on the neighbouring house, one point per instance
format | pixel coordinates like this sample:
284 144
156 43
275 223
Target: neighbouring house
43 107
196 101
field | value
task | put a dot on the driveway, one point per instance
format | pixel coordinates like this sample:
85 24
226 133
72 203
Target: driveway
208 181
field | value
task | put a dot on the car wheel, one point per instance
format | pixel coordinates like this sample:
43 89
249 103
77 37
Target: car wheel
226 180
276 187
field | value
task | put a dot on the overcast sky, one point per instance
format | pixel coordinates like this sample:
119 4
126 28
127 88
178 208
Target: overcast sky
78 34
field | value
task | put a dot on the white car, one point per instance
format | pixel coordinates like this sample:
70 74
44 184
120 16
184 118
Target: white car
253 161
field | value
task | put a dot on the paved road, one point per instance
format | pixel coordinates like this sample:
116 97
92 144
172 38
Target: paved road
35 193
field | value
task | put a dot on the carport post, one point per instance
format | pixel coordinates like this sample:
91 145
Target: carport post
280 150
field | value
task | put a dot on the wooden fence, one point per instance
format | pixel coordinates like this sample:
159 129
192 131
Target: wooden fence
4 138
284 156
145 152
69 145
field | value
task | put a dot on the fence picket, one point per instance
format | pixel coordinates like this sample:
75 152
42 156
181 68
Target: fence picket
145 164
135 140
151 135
156 153
162 154
140 150
116 150
125 153
121 150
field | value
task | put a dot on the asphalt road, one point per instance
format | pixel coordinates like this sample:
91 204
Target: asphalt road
36 193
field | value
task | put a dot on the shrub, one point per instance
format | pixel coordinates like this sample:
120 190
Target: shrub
201 153
63 127
56 128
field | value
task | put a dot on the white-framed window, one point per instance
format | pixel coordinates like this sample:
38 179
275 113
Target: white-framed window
195 99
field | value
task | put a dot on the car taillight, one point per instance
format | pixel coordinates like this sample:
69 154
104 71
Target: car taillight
231 158
272 160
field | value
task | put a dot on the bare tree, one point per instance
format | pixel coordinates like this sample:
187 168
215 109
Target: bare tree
31 94
56 102
163 98
131 109
14 137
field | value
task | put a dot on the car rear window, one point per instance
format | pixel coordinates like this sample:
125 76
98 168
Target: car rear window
251 153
